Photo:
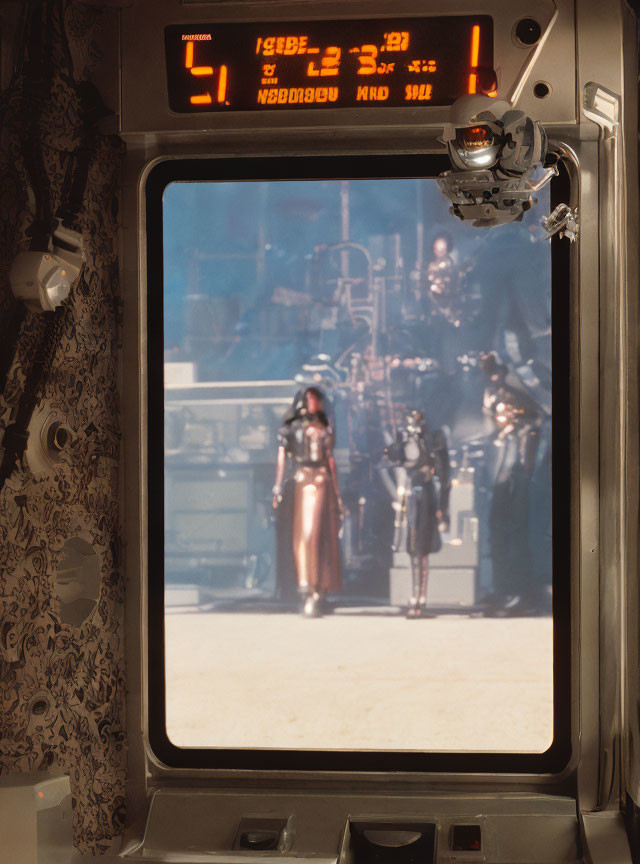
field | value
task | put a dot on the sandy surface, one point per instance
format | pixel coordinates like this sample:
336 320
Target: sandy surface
359 681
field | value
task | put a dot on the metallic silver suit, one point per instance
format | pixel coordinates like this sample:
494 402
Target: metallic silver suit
424 505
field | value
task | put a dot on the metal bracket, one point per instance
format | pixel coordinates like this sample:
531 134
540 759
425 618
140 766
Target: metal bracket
562 221
601 105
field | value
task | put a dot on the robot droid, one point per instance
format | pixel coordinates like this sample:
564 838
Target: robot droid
424 504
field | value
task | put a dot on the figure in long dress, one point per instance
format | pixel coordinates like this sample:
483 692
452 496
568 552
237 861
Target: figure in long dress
306 441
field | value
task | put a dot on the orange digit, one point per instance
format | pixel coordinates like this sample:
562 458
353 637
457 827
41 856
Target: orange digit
330 63
475 54
222 84
393 41
368 65
198 72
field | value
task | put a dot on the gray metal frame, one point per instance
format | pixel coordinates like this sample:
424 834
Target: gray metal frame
584 45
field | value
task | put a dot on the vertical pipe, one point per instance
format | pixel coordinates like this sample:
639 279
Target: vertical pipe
344 227
261 240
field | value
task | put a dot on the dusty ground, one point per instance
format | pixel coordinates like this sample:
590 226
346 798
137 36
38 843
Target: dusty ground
359 681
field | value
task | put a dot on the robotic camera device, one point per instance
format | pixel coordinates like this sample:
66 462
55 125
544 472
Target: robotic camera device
500 159
43 280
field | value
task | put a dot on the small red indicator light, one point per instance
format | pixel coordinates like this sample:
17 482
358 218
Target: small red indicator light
466 838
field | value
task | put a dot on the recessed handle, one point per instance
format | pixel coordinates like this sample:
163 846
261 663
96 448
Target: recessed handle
393 839
259 840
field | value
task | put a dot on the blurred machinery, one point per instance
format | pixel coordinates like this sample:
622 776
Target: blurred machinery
380 343
219 447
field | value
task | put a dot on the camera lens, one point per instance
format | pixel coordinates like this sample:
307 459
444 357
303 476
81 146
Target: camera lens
474 137
476 146
528 31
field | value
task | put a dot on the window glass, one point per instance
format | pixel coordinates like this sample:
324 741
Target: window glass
357 434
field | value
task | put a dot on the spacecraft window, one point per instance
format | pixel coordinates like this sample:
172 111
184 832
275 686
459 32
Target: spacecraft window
358 472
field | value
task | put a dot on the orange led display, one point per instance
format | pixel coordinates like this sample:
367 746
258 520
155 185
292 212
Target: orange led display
390 62
475 45
475 54
198 72
329 63
372 94
285 45
222 84
422 66
204 72
418 92
298 96
396 41
367 58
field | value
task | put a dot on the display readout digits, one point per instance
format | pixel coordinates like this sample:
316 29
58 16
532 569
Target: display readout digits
339 64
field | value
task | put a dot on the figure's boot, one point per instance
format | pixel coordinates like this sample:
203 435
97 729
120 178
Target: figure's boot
312 606
413 610
424 576
422 597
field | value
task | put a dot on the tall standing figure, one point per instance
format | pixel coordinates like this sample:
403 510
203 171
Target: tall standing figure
424 456
306 440
517 422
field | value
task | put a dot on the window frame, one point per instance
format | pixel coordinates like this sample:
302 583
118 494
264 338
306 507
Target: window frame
269 168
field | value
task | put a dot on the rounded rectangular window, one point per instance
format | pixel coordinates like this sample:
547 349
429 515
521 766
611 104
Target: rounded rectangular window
358 471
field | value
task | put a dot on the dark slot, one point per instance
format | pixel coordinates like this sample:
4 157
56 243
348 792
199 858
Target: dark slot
466 838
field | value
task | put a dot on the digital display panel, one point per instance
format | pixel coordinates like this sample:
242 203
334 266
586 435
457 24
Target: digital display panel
328 64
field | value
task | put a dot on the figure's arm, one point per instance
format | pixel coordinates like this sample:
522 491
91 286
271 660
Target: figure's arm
334 479
332 470
394 452
529 443
277 489
400 507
